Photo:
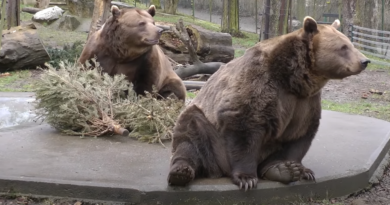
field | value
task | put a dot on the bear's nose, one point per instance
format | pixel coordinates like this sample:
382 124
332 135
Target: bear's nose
365 63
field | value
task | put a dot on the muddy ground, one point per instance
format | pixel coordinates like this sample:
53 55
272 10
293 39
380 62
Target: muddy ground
367 94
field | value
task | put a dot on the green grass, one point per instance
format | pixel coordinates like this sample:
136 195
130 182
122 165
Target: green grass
16 82
238 52
187 20
360 108
191 95
373 66
24 16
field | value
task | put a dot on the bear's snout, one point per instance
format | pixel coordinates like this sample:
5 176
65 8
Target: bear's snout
365 62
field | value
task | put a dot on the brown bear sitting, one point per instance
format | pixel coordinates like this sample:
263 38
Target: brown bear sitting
258 114
127 44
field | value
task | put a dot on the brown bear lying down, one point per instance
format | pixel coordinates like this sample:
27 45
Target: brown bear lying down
127 44
258 114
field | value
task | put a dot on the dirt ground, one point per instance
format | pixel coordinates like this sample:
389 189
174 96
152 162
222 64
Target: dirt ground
367 94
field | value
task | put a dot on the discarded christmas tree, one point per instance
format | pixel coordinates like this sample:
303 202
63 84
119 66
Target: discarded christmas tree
88 102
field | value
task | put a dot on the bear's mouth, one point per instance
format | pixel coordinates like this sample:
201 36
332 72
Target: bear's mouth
151 42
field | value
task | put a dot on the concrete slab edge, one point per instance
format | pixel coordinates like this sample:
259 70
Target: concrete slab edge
322 189
267 192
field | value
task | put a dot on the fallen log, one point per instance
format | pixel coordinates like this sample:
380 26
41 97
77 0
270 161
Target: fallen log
193 85
31 10
21 48
209 46
203 68
198 66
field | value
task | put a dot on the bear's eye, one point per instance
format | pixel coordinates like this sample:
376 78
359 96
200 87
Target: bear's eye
142 24
344 47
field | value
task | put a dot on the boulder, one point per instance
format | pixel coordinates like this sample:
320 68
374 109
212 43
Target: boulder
81 8
68 22
48 15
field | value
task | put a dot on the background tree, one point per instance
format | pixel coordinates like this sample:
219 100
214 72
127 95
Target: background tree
348 13
230 17
301 9
170 6
101 13
10 14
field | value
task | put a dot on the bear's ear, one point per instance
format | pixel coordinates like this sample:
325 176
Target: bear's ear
115 11
309 24
152 10
336 24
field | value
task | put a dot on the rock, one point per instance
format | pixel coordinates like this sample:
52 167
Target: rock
296 24
81 8
68 22
48 15
358 202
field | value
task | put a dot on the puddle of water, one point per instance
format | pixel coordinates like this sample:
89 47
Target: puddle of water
16 110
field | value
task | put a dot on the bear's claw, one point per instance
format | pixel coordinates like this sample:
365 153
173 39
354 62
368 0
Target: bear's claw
288 171
245 181
181 174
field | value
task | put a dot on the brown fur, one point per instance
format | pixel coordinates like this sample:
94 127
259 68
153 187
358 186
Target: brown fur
127 44
258 114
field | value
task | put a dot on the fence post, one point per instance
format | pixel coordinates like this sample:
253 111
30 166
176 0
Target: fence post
256 15
351 25
267 18
211 6
193 9
2 19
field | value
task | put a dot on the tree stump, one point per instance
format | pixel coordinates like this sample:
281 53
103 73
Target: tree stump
42 4
81 8
209 46
101 12
21 48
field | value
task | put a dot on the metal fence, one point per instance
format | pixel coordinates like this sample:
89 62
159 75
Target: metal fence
251 12
371 42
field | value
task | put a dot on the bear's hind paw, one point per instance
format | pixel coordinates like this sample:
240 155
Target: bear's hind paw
288 171
181 174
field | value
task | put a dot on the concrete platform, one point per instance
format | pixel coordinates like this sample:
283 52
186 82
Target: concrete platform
347 153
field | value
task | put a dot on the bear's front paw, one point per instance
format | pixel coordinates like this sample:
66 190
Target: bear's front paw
247 181
288 171
181 173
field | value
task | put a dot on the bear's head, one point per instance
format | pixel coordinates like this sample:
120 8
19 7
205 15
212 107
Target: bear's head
130 32
334 55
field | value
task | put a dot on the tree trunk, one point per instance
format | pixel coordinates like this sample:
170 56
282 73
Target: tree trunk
101 13
230 17
301 9
21 48
274 18
282 17
156 3
13 17
42 4
209 46
267 13
170 6
348 12
31 10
